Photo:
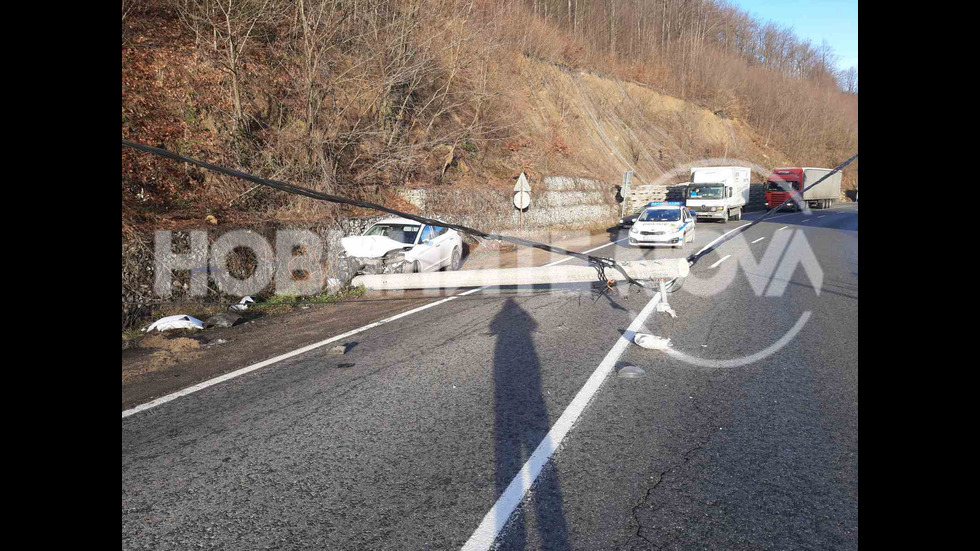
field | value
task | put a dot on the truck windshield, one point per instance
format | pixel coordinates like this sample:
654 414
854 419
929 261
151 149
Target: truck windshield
660 215
777 185
705 191
399 232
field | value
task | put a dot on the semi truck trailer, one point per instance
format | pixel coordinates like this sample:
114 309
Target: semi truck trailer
719 192
789 181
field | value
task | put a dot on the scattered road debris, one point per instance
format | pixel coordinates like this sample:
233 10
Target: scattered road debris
180 321
630 372
242 304
652 342
226 319
338 350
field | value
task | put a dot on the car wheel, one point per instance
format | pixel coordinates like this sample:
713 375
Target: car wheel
454 262
416 267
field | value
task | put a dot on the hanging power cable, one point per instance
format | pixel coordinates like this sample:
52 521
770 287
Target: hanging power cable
598 262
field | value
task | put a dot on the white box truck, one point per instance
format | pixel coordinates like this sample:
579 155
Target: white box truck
790 180
719 192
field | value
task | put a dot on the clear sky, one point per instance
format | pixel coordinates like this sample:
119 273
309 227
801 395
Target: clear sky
816 20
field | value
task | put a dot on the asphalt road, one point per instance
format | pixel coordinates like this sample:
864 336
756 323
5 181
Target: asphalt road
744 436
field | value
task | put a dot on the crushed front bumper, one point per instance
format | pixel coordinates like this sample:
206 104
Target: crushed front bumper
393 263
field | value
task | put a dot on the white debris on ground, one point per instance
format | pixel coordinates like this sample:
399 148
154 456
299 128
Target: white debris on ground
242 304
652 342
180 321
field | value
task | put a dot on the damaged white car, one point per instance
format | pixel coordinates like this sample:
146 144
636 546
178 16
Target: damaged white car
400 245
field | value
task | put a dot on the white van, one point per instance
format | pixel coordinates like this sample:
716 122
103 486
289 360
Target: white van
719 192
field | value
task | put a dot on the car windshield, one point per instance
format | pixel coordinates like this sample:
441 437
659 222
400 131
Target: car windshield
781 185
705 191
660 215
399 232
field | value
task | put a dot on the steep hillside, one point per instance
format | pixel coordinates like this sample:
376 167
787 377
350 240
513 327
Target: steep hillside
365 99
390 100
607 125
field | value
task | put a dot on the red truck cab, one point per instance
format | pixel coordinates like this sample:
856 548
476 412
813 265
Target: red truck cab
781 180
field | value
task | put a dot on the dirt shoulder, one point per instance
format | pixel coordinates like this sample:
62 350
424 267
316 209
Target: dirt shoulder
162 363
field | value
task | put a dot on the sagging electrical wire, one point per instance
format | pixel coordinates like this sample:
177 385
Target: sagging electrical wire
598 262
713 246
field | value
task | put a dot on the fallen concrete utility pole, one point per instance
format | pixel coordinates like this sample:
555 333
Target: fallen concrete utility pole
642 270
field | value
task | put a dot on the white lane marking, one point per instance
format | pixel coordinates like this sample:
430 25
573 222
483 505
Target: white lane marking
759 239
722 259
279 358
805 221
821 216
567 258
494 521
706 247
782 228
231 375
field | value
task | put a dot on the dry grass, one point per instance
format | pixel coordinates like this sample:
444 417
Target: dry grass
471 98
434 94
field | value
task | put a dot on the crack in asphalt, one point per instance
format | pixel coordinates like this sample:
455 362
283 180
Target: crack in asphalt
686 457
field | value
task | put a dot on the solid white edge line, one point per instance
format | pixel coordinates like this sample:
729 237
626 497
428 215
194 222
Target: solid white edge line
232 374
495 520
720 260
270 361
759 239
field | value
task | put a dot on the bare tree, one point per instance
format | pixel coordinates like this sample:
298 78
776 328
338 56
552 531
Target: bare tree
849 80
231 25
320 22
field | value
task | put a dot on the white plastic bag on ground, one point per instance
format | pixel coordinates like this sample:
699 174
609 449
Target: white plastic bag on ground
242 304
180 321
652 342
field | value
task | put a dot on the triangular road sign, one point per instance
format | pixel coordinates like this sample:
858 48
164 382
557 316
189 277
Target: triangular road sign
522 184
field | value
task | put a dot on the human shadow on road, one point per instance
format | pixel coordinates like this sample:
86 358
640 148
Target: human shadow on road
520 423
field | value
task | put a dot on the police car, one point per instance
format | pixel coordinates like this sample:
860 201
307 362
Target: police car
663 223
